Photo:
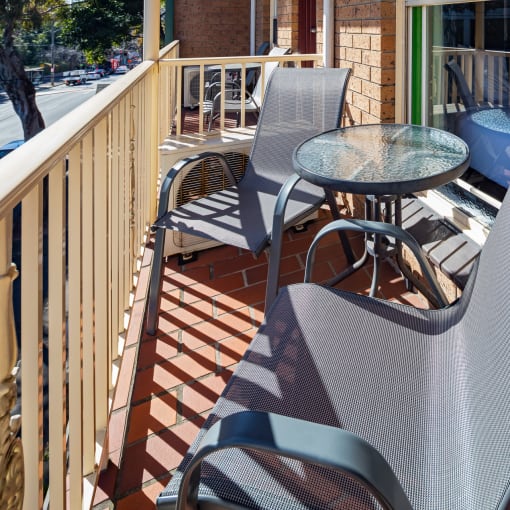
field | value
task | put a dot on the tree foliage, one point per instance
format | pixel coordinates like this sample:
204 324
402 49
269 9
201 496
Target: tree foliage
91 25
15 14
96 26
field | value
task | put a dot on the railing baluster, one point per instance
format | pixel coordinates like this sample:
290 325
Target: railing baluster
31 344
117 132
89 429
75 331
57 345
103 358
178 102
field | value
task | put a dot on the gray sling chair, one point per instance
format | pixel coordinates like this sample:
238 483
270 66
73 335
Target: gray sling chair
298 104
460 81
343 401
232 92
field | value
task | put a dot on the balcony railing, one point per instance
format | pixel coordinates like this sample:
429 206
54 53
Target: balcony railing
486 74
172 71
76 202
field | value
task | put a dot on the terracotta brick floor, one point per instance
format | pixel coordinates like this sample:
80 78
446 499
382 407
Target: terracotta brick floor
210 310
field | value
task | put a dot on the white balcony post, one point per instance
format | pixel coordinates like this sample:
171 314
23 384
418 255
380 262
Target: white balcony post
151 21
11 453
328 25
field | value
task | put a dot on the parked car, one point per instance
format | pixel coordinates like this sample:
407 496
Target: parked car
9 147
93 75
121 70
76 77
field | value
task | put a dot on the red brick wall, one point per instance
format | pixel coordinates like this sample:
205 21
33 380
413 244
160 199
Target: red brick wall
288 24
212 28
262 29
365 41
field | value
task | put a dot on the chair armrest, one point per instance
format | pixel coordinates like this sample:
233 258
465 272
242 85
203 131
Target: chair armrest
168 181
314 443
380 228
277 236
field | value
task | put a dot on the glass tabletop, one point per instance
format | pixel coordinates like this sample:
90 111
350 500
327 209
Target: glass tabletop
381 159
496 119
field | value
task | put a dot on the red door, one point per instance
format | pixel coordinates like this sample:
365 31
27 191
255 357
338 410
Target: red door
307 27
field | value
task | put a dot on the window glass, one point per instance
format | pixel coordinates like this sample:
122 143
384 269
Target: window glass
467 90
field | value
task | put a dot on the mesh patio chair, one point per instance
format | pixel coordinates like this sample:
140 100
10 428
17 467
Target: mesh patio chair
298 103
462 86
263 49
232 93
343 401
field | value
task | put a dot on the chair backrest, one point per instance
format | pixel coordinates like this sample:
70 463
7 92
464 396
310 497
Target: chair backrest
261 50
460 80
269 67
298 103
482 357
490 283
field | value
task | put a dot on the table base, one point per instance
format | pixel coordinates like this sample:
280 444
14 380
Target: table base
379 247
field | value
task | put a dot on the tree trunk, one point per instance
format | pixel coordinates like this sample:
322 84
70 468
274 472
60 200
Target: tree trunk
19 88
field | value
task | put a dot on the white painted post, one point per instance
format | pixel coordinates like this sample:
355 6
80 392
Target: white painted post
151 21
328 25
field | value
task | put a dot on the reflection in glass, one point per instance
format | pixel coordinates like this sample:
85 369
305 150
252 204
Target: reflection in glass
468 87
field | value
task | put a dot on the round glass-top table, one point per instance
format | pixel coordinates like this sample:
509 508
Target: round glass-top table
381 159
382 162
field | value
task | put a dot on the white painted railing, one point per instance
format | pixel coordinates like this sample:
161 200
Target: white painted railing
172 71
486 73
86 188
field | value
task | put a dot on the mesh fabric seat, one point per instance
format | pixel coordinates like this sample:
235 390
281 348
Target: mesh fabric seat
397 407
298 104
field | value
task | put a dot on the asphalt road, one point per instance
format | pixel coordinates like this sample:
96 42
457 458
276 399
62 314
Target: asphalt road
53 103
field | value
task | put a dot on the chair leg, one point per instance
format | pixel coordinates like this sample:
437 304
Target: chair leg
212 118
155 283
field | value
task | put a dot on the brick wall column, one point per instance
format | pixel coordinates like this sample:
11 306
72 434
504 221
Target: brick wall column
263 22
365 41
215 28
288 24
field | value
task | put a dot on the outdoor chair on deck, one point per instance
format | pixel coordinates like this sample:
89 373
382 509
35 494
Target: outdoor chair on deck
232 92
263 49
463 89
298 104
343 401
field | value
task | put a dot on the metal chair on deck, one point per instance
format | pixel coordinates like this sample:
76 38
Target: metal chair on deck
343 401
253 212
232 92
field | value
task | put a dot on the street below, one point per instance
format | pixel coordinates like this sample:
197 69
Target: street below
53 103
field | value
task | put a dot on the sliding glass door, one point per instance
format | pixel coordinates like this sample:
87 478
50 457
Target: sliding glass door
459 62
